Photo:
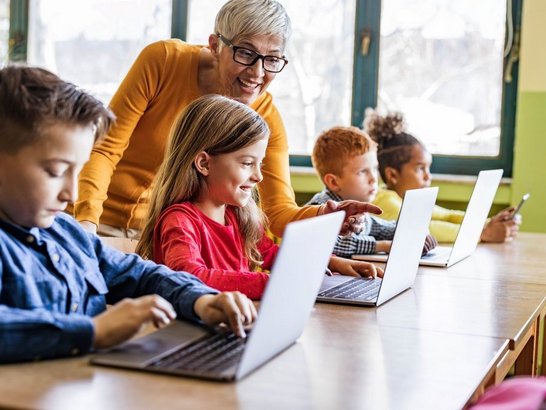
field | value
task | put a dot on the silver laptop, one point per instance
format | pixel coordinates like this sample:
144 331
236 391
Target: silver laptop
188 350
471 228
402 262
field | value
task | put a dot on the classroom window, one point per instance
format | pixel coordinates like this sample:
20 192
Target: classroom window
440 63
450 67
313 92
93 43
4 31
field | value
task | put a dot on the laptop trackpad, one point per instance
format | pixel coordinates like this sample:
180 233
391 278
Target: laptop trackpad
438 253
331 281
144 350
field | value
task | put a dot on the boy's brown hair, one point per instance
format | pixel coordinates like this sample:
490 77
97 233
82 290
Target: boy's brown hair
33 99
336 145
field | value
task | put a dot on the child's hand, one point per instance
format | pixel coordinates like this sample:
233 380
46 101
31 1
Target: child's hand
383 246
501 228
123 320
353 210
232 308
351 267
430 244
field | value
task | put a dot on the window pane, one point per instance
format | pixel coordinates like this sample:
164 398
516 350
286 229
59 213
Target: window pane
313 92
4 31
441 66
92 43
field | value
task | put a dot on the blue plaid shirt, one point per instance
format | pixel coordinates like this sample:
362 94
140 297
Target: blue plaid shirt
375 229
54 280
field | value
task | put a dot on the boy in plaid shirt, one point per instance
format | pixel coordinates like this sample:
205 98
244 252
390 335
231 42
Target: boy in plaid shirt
346 161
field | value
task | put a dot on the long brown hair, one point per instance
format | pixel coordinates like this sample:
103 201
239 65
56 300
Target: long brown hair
216 125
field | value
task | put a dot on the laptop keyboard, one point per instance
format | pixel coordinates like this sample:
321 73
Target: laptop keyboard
215 352
357 288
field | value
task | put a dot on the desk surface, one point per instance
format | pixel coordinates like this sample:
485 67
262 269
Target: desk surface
343 360
429 347
466 306
522 260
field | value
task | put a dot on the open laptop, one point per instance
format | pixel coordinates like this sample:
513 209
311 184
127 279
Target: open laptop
188 350
471 228
402 262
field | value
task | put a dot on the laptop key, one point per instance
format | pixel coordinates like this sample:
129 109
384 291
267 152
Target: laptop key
212 352
357 288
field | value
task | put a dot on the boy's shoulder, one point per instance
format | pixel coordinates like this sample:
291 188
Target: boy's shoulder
65 232
62 222
66 229
323 196
68 222
385 193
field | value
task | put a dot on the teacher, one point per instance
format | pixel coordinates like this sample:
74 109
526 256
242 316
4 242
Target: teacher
243 56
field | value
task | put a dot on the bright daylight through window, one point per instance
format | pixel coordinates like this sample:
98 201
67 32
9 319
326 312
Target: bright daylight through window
441 65
97 41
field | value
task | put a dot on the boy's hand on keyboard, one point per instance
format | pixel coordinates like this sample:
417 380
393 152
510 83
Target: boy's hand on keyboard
383 246
351 267
232 308
123 320
430 244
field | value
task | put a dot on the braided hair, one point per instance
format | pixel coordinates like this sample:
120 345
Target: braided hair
394 144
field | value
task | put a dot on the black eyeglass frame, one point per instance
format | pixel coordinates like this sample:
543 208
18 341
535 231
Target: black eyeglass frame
257 57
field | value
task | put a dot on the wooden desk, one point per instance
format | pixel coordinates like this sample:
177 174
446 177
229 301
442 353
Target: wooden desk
473 307
522 261
343 360
434 346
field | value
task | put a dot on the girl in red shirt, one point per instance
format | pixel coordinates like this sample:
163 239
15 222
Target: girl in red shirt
203 217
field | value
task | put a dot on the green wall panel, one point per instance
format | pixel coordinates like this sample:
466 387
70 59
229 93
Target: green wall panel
530 159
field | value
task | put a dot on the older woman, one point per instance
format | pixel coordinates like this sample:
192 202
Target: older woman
243 56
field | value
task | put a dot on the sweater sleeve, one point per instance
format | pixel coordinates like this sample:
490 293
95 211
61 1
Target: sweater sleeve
276 194
354 244
180 244
390 203
444 232
447 215
445 224
40 334
128 104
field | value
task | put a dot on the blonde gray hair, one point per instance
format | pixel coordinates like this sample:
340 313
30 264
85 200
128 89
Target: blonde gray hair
216 125
242 19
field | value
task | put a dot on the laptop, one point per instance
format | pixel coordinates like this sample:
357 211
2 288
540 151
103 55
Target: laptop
186 349
471 228
402 262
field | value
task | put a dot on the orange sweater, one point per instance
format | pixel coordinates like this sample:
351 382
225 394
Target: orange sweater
114 185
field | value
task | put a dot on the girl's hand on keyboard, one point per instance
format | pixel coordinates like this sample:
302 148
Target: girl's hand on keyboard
351 267
231 308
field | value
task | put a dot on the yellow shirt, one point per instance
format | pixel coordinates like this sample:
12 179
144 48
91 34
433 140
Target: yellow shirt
115 184
444 225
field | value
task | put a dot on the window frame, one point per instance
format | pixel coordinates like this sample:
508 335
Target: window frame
365 79
365 88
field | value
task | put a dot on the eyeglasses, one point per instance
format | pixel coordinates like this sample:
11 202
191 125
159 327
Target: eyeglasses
244 56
